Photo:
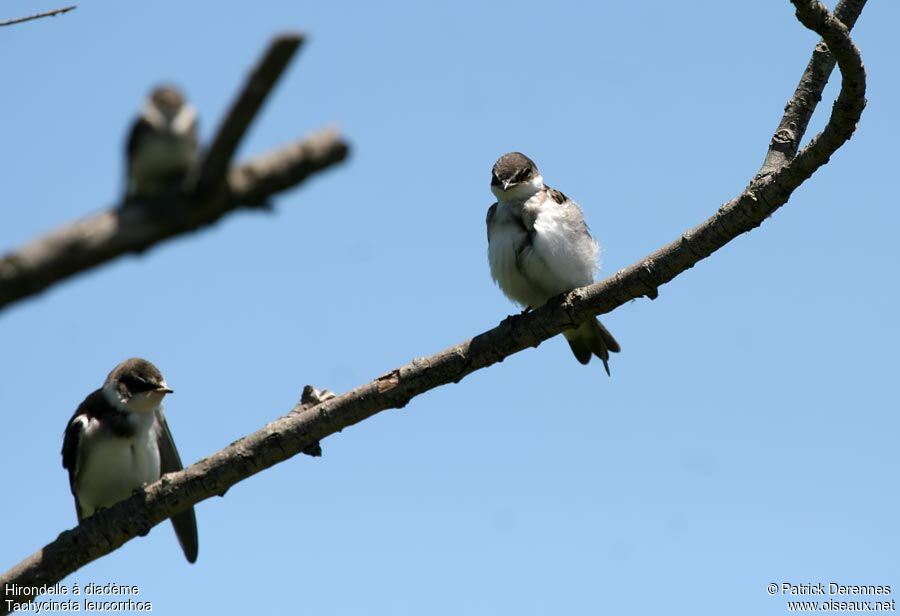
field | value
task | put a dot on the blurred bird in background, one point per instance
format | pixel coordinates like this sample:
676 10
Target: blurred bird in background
162 144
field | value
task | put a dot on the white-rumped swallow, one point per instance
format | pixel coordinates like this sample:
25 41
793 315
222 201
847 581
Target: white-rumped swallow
118 441
539 246
162 144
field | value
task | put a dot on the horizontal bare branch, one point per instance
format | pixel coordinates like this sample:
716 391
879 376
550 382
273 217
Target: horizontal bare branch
254 181
118 231
53 13
301 429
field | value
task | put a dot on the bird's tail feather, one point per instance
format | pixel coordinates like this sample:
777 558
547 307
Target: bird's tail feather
592 338
185 524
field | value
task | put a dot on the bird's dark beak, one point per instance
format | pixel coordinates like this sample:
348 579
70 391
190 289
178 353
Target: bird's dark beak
506 184
164 389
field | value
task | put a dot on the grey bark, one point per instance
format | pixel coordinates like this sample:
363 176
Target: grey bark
800 107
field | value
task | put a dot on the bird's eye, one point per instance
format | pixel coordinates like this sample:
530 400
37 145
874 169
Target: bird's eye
134 384
495 181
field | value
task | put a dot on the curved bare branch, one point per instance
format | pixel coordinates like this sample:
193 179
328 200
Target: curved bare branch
799 109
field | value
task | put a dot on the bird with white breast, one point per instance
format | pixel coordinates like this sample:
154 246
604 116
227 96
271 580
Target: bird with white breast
118 441
162 144
539 246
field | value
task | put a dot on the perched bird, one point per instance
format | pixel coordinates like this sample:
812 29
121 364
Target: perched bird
162 144
539 246
118 441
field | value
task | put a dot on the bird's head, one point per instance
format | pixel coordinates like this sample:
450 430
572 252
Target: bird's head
136 385
515 176
167 110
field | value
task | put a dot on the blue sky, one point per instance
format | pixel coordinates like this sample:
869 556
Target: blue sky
744 438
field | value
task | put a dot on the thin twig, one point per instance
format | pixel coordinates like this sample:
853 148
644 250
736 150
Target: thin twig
53 13
298 431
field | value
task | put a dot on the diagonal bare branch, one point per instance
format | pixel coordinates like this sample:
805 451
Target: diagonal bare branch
209 174
307 424
53 13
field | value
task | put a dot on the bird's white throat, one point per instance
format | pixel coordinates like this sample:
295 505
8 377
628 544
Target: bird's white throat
519 192
143 403
182 123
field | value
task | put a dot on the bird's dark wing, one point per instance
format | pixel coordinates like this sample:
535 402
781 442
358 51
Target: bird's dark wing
185 523
490 217
138 133
71 441
139 130
72 438
557 195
